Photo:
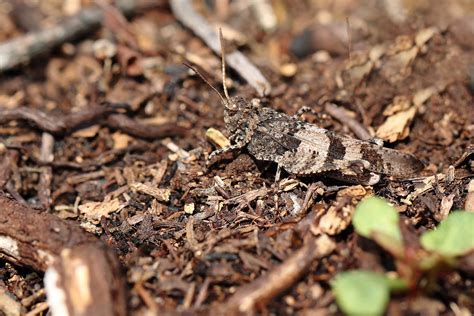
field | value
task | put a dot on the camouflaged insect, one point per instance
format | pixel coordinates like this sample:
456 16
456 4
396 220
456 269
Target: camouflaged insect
304 149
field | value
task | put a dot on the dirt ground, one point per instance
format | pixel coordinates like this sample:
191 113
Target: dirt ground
110 132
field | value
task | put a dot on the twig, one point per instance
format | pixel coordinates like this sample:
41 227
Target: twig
185 13
339 114
55 124
259 292
83 276
65 124
24 48
46 176
134 128
468 152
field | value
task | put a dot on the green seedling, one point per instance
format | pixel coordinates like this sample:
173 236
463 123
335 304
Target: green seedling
367 293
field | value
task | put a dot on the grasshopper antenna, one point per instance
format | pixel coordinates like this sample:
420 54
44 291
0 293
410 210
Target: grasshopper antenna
221 40
349 38
224 101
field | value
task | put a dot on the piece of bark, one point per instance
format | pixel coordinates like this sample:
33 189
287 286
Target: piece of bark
84 281
83 275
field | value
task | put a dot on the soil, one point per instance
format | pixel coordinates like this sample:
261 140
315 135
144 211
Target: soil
131 126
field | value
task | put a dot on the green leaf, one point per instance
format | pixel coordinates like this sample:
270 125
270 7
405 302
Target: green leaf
453 237
361 292
375 216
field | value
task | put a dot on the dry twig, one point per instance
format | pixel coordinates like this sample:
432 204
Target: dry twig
23 49
259 292
46 176
358 129
185 13
65 124
134 128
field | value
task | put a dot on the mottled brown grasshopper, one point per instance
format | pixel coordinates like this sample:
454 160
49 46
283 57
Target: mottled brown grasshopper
304 149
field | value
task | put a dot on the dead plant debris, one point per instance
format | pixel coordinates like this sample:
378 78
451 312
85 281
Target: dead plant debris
107 202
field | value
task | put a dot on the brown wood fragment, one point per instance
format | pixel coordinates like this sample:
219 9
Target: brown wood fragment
9 306
356 127
79 266
162 195
257 294
46 176
55 124
146 131
469 203
85 281
65 124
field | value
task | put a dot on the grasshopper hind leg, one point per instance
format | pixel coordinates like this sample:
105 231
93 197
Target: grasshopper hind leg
364 178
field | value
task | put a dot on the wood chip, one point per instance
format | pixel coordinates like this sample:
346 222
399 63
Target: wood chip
339 215
288 70
121 140
38 309
423 185
87 132
288 184
9 306
469 203
95 210
445 207
162 195
217 138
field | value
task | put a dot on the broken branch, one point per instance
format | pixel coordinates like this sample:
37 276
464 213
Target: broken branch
83 276
261 291
65 124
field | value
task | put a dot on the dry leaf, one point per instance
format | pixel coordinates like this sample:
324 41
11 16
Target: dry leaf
400 103
396 127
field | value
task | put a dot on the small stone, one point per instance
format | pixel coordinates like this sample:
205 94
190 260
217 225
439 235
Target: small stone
189 208
288 70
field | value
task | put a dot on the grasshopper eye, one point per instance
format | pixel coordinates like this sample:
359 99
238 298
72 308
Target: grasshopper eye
230 105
